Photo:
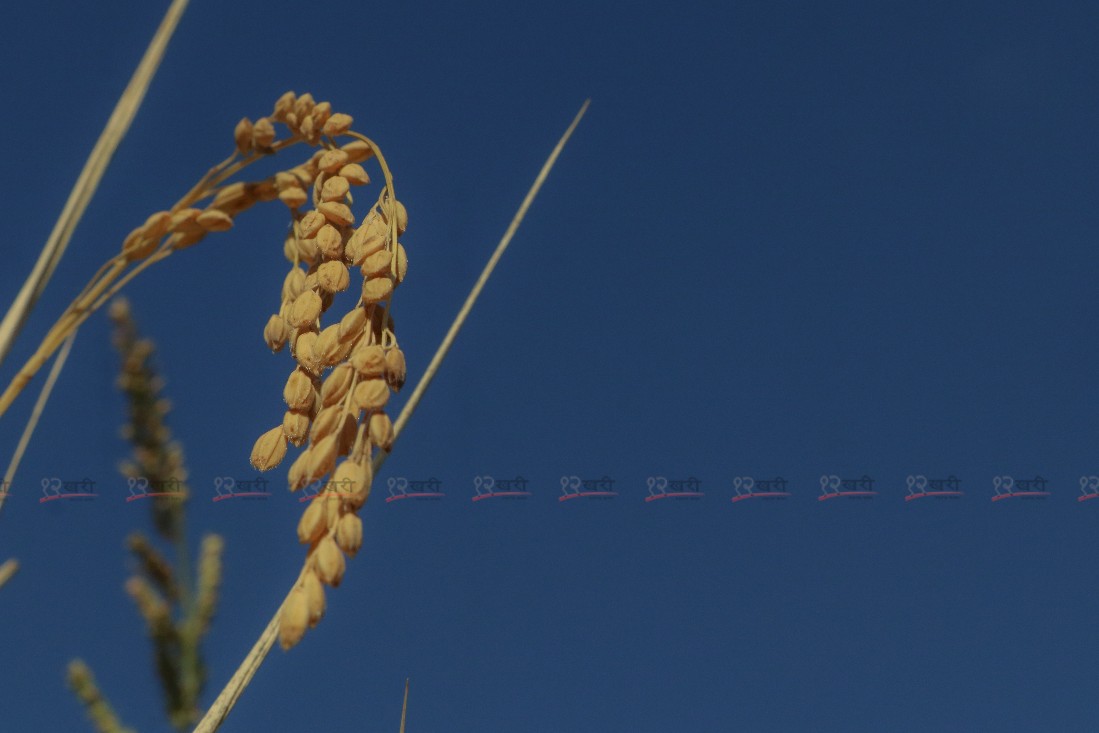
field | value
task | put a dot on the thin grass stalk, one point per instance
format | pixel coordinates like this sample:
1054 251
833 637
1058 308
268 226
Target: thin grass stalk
36 414
404 706
88 181
232 691
460 319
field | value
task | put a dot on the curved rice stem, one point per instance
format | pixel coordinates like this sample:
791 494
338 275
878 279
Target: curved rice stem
229 695
89 178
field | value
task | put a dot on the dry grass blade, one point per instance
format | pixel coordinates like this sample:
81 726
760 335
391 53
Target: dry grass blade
7 570
460 319
404 707
36 413
89 179
232 691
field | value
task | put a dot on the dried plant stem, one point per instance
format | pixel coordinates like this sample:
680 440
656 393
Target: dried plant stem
36 413
229 695
88 181
232 691
404 706
66 326
7 569
113 275
448 340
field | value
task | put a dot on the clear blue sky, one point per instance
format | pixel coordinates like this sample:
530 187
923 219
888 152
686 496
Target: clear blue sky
789 238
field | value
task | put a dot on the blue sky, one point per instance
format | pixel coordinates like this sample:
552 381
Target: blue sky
789 238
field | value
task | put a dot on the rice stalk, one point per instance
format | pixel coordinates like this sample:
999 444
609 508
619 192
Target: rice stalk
244 673
36 414
88 180
404 706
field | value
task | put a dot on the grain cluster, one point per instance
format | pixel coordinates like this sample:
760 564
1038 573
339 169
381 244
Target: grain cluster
346 361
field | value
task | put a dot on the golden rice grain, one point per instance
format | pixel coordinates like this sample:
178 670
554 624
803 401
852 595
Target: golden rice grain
381 430
355 174
311 223
306 310
298 475
311 525
337 384
371 394
275 333
314 596
377 290
347 434
369 360
361 491
336 213
284 104
372 234
349 534
264 191
331 508
332 160
323 457
293 284
402 217
329 242
215 220
269 449
293 618
298 391
395 369
333 277
349 477
352 324
183 220
337 124
307 129
305 250
303 105
293 197
335 188
303 349
357 151
138 245
400 266
156 226
345 350
377 264
321 113
263 134
326 422
242 135
231 198
295 425
327 346
330 564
